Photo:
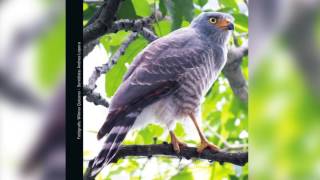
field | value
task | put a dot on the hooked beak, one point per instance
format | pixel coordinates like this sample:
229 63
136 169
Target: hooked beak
230 26
225 24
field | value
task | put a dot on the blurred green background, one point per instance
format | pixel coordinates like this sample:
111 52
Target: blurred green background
284 119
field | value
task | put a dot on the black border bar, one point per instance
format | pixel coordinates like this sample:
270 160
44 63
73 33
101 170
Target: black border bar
74 112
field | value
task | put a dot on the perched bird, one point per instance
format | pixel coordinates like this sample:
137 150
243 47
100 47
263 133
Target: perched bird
167 81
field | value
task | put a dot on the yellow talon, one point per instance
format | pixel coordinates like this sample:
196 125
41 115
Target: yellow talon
205 144
176 143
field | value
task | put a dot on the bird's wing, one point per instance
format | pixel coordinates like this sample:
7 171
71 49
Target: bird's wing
154 74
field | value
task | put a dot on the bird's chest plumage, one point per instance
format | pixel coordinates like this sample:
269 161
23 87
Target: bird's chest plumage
199 72
196 81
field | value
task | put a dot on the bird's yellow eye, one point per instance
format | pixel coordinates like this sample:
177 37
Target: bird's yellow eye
213 20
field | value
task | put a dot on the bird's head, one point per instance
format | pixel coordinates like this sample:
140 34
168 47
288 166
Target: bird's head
215 25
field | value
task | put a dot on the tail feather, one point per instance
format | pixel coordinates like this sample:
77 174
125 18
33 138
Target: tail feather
120 121
113 141
108 124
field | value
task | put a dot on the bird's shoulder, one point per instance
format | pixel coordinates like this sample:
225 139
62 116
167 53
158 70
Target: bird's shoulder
178 44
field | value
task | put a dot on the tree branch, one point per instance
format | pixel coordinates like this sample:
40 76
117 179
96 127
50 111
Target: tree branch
89 89
148 34
107 66
102 23
139 26
239 159
233 71
94 1
87 48
132 25
94 97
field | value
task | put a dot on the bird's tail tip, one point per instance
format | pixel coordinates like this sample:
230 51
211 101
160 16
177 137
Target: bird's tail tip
100 135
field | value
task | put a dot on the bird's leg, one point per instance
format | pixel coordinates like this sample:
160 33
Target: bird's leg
204 142
176 143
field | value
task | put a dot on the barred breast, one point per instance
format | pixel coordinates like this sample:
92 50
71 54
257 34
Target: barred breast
196 81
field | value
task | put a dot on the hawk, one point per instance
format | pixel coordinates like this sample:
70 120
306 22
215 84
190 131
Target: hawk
166 82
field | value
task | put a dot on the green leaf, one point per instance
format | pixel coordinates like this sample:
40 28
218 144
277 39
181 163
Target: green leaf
126 11
185 24
131 166
180 10
183 175
229 4
197 11
85 6
149 132
116 171
163 7
201 2
51 55
88 11
111 42
141 7
241 22
115 75
179 130
162 27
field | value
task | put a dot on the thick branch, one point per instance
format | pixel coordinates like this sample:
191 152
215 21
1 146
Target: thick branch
87 48
234 74
239 159
102 23
186 152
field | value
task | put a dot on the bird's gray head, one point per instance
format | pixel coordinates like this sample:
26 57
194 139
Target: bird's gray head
214 25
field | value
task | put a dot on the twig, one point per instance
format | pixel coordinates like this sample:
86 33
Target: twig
133 25
94 97
94 1
89 89
228 146
148 34
107 66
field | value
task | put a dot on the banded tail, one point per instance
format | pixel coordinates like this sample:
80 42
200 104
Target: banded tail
122 118
121 125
